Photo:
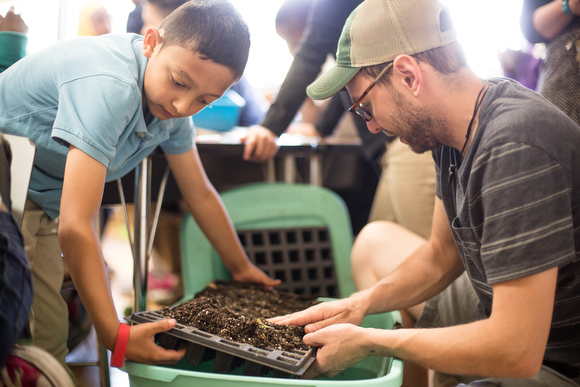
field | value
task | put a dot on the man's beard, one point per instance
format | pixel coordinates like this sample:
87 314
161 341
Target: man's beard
421 128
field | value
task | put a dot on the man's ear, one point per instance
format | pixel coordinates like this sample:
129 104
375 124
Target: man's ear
151 40
407 72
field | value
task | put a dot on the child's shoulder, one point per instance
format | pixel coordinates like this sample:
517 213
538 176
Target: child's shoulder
116 56
120 47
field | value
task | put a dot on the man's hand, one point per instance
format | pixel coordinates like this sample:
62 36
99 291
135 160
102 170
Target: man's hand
260 144
13 22
322 315
339 347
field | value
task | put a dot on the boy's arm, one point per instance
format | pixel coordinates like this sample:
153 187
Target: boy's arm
84 179
209 212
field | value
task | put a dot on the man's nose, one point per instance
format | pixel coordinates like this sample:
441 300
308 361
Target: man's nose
373 126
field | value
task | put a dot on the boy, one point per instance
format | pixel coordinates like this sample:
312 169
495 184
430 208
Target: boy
95 107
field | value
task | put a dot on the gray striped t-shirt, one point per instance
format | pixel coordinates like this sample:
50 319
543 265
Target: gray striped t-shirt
514 205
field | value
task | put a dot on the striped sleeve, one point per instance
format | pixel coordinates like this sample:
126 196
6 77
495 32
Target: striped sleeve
524 195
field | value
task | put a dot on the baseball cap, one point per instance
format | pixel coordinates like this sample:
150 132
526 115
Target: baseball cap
377 31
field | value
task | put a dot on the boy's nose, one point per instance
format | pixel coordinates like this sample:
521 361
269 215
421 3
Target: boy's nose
183 107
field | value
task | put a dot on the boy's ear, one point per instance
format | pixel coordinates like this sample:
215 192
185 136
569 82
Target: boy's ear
151 40
407 71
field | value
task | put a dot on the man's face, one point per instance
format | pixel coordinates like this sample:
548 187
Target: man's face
394 115
179 83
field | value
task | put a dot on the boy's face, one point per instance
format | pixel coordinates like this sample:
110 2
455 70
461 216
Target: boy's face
178 82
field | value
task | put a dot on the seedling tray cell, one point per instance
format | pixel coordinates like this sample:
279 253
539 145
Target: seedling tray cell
229 355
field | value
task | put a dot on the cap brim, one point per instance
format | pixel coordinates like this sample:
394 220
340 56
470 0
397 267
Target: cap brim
331 82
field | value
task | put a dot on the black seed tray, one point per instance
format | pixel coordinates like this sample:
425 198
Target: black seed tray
229 355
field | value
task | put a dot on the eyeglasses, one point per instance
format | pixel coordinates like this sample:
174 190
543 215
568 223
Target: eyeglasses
358 108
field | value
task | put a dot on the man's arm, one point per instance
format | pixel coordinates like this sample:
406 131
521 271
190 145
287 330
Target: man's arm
511 343
209 212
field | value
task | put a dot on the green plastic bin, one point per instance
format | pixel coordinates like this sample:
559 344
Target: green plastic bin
372 371
274 206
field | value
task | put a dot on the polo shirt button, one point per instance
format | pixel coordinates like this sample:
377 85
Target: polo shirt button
140 134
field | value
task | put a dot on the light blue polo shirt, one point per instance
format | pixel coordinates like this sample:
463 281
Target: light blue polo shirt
86 92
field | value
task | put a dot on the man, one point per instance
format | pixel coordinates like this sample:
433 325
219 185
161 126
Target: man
506 212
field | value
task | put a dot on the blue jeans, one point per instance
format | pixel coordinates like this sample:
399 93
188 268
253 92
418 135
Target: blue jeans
15 285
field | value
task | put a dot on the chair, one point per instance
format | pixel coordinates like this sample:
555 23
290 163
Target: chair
298 233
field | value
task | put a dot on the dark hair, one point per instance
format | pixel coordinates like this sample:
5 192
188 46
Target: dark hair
446 60
214 28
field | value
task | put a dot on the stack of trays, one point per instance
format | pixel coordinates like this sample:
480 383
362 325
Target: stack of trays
229 355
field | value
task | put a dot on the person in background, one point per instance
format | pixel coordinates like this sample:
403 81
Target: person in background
13 39
16 279
138 101
21 363
557 24
506 213
521 66
93 19
291 21
406 189
135 18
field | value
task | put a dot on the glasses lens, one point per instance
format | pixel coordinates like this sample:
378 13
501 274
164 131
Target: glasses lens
362 113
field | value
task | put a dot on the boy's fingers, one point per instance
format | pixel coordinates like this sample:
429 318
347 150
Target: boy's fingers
162 326
171 356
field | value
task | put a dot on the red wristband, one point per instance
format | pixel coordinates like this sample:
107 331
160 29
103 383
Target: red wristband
118 356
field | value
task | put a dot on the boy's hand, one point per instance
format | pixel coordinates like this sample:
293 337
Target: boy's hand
260 144
142 347
253 274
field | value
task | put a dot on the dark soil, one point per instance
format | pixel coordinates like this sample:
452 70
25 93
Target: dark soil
238 311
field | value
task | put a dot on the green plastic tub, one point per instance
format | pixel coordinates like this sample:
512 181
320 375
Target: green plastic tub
272 206
372 371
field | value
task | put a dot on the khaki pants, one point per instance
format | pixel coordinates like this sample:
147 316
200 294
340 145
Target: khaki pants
49 316
406 190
